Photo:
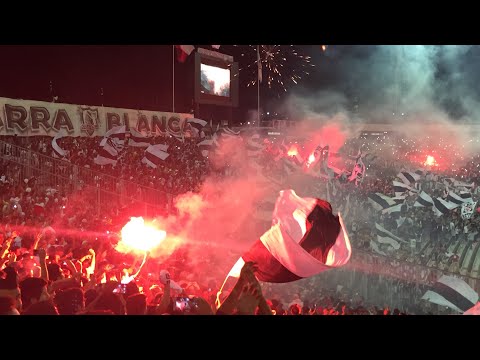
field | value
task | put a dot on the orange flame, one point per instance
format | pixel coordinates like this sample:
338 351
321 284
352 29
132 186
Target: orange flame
138 237
324 47
310 160
292 151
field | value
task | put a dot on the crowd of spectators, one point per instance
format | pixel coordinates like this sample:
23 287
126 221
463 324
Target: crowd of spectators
58 254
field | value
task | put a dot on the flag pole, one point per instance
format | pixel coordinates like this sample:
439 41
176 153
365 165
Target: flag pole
173 78
258 85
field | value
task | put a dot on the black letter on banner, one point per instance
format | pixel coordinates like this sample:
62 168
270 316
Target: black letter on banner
142 123
164 124
62 119
16 115
113 120
158 124
39 115
173 125
126 121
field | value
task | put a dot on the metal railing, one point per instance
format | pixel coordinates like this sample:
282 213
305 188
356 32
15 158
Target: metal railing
147 201
67 177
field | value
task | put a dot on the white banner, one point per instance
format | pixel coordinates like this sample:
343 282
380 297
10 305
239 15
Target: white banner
31 118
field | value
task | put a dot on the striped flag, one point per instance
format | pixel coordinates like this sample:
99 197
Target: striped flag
197 126
463 184
401 188
117 135
305 239
442 207
386 237
423 199
216 46
107 154
58 152
178 137
137 139
393 209
452 292
449 181
408 177
155 155
464 196
380 201
230 132
376 248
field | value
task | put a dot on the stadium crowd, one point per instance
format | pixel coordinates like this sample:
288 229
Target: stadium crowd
58 253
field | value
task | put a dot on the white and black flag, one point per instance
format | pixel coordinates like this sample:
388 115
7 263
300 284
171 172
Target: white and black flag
386 237
401 188
380 201
452 292
442 207
423 199
408 177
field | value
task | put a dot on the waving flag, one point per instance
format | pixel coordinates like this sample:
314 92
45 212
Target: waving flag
116 135
155 155
423 199
408 178
386 237
401 188
380 201
197 126
442 207
58 152
305 239
452 292
107 154
137 139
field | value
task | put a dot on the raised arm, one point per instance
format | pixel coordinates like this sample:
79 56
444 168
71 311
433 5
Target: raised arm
230 304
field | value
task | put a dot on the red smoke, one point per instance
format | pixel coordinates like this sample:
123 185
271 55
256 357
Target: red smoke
331 135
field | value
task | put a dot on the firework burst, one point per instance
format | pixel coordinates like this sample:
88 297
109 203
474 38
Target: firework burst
282 65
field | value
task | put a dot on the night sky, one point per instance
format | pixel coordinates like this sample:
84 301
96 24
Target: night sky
140 77
132 76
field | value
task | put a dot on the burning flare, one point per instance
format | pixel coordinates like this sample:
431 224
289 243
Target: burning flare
138 237
310 160
430 161
292 151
